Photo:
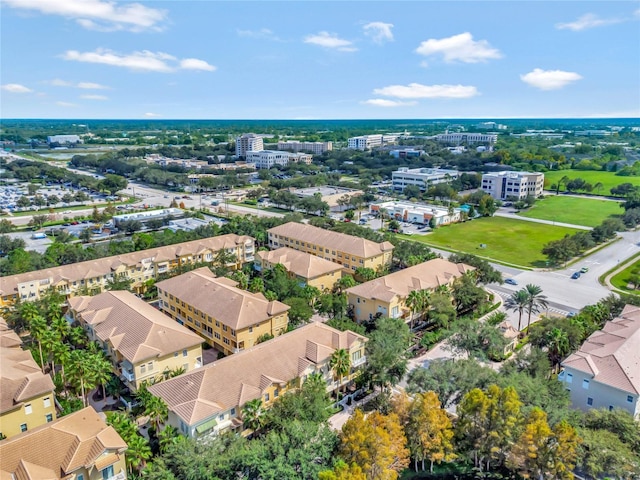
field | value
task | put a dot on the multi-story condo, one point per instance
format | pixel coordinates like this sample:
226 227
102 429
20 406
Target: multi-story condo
142 343
316 148
307 269
468 138
93 276
605 371
211 400
266 159
225 316
519 185
367 142
249 142
417 212
27 394
349 251
423 178
78 446
386 296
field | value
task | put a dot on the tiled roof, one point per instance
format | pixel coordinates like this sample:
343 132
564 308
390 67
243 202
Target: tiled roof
424 276
244 376
57 449
220 298
136 329
360 247
302 264
8 338
612 355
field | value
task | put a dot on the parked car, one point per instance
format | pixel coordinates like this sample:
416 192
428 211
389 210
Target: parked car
575 276
511 281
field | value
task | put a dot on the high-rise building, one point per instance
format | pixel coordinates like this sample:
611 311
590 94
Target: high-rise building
249 142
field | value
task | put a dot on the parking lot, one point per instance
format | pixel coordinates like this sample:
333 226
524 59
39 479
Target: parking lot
368 220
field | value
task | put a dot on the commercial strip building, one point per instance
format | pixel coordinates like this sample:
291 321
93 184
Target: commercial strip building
605 371
78 446
423 178
249 142
307 269
346 250
93 276
386 296
468 138
266 159
315 148
210 400
519 185
419 213
142 343
226 317
329 194
367 142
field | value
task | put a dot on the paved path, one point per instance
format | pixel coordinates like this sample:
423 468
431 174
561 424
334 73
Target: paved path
538 220
339 419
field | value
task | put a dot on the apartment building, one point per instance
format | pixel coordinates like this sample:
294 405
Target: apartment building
605 371
78 446
423 178
386 296
349 251
210 401
307 269
520 185
266 159
468 138
315 148
367 142
226 317
142 343
420 213
249 142
93 276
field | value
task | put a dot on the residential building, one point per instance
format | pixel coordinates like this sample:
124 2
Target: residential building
141 266
511 335
142 343
226 317
330 195
63 139
307 269
249 142
423 178
605 371
210 400
406 153
386 296
78 446
266 159
519 185
316 148
420 213
349 251
367 142
468 138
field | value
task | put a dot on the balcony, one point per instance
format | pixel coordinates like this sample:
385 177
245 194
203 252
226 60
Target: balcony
128 375
118 476
359 362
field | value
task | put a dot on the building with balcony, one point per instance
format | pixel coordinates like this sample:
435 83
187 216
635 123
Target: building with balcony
142 343
92 276
605 371
423 178
307 269
386 296
226 317
367 142
315 148
249 142
346 250
78 446
210 400
420 213
519 185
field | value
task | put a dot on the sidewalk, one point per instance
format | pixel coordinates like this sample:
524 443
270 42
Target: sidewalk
339 419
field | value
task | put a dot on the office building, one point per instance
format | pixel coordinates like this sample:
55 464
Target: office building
315 148
518 185
423 178
63 139
422 214
266 159
367 142
467 138
249 142
406 153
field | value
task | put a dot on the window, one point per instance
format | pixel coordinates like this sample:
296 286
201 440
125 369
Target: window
355 356
143 368
47 402
184 353
250 329
150 366
175 354
589 401
107 472
569 377
276 393
80 476
49 417
630 398
221 417
224 328
585 384
27 409
266 397
233 411
23 427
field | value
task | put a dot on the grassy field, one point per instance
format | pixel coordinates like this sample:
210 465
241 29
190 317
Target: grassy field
517 242
608 179
576 211
621 279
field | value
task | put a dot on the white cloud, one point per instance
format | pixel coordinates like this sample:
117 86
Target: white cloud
462 48
379 32
151 115
66 104
94 97
549 79
383 102
586 21
330 40
416 90
16 88
141 61
196 64
263 33
98 14
57 82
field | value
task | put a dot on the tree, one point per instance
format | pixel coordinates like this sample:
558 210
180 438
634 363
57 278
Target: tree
113 183
81 372
479 340
484 272
156 409
37 330
386 352
466 295
39 220
6 226
340 363
345 282
518 301
137 453
418 303
349 215
365 274
535 302
487 206
342 471
253 414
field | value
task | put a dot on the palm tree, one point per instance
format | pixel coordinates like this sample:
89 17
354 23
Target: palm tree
518 301
253 414
558 345
414 301
138 452
535 302
38 330
61 354
102 371
81 371
340 363
169 435
156 410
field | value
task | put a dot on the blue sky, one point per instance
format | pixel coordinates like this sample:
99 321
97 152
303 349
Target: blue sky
326 60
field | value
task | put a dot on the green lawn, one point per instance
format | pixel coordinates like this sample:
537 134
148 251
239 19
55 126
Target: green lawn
621 279
608 179
516 242
576 211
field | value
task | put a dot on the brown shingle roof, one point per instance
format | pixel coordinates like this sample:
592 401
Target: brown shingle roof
299 263
136 329
20 378
220 298
612 355
244 376
424 276
360 247
60 447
